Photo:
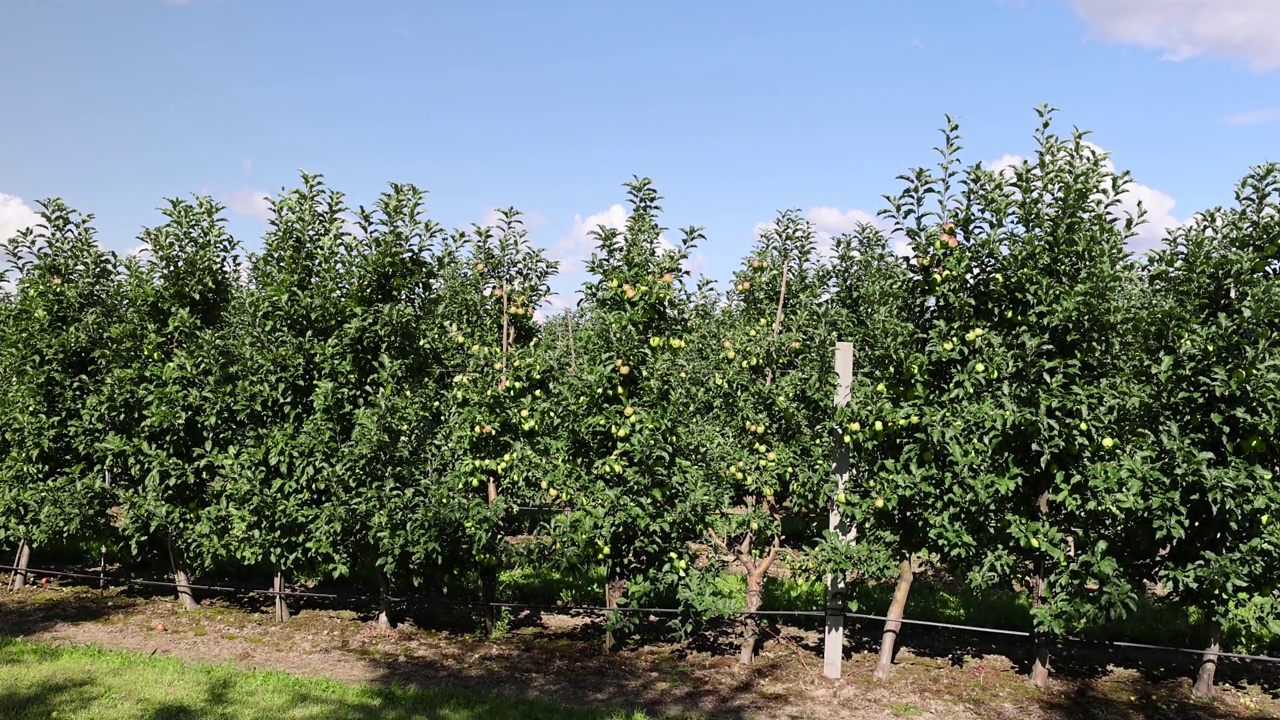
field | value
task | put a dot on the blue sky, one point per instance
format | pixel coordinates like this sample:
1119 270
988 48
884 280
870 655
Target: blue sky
736 109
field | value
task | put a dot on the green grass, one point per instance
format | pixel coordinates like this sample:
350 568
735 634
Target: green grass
38 681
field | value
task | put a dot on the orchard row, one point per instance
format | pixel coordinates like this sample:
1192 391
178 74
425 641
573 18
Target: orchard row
1031 406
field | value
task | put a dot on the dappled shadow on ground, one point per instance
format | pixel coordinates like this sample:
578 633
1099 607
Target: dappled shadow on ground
1138 698
127 692
44 699
1083 661
557 657
35 610
570 666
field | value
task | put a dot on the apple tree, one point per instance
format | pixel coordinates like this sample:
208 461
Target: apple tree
1212 411
62 307
383 388
498 411
771 355
637 478
169 417
281 491
1057 293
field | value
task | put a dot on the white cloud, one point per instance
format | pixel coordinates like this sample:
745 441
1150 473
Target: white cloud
1253 117
1242 30
1158 205
15 215
1160 219
250 202
573 249
835 221
1004 162
828 222
349 225
556 304
696 264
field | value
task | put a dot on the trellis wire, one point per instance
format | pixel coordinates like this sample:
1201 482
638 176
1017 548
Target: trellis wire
624 609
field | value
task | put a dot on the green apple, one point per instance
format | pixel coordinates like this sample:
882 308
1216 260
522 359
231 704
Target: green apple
948 346
1108 443
1035 543
980 368
841 498
1084 426
855 427
730 355
878 426
879 503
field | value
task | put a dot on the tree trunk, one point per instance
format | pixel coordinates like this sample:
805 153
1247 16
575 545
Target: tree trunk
180 578
489 572
1208 664
613 590
1040 665
282 605
1040 668
757 571
102 570
384 601
489 596
19 578
893 621
750 626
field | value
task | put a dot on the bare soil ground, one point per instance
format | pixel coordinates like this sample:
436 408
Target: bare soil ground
559 656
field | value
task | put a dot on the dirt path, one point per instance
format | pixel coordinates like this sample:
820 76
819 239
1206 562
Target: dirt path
555 656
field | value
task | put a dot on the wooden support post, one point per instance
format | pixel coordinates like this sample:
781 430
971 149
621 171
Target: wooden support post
833 646
281 603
